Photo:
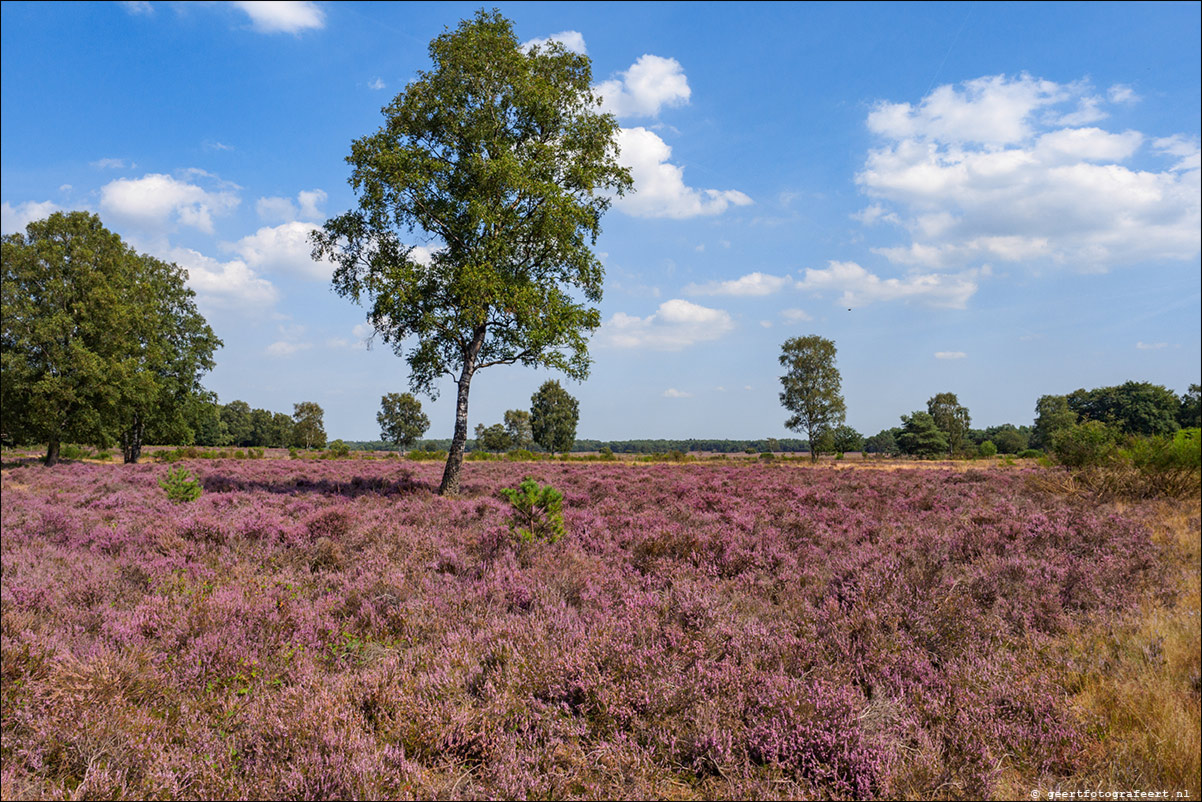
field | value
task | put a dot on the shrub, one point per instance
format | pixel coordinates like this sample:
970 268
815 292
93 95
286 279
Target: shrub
337 450
606 453
1089 443
538 511
1030 453
181 485
767 456
987 449
292 453
521 455
418 455
71 451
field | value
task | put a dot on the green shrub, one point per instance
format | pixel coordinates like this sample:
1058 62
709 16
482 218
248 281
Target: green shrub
71 451
180 485
538 511
1082 444
987 449
418 455
1030 453
606 453
767 456
521 455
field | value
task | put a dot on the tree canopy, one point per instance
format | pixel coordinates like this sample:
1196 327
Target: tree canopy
952 419
812 387
478 203
553 416
921 436
99 342
402 422
308 428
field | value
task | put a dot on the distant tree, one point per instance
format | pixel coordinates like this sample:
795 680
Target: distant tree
952 419
553 417
501 155
281 430
1138 408
986 449
1052 416
308 431
921 436
883 442
205 420
772 444
260 427
1189 414
238 426
1007 438
847 439
517 425
97 341
824 443
1090 442
402 422
811 387
493 438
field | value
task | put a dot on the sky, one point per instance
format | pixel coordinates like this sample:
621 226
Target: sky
999 200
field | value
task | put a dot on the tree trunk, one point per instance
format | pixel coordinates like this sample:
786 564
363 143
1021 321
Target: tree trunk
52 453
450 474
131 441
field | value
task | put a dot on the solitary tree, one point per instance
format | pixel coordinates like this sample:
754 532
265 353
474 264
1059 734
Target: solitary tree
952 419
553 417
499 161
308 431
401 420
811 387
517 425
921 436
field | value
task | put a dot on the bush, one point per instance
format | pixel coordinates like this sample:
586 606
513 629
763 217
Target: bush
418 455
521 455
767 456
180 485
1082 444
606 453
987 449
538 511
1030 453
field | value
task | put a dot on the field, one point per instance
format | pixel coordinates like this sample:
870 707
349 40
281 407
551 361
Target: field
337 630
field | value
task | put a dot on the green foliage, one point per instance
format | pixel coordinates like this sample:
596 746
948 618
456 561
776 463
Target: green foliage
1189 414
418 455
521 455
180 485
986 449
952 419
517 426
1030 453
237 422
538 511
401 420
308 431
847 439
500 156
1181 452
1088 443
553 417
1008 438
98 343
337 450
1052 416
920 436
493 438
606 453
811 387
1131 408
883 442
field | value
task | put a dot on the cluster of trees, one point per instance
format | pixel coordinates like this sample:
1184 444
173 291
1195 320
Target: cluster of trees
550 424
236 424
99 343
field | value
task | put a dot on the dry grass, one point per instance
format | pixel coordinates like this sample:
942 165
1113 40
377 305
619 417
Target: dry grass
1137 681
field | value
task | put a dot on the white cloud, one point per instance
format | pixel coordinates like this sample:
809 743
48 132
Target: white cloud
309 200
672 392
282 16
214 145
282 210
113 164
571 40
138 6
282 249
362 331
752 284
993 170
224 284
660 190
950 354
156 198
285 348
1121 93
1143 346
860 288
14 219
795 315
650 84
377 83
766 324
675 325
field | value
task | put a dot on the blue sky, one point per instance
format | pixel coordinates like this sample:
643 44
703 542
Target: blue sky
997 200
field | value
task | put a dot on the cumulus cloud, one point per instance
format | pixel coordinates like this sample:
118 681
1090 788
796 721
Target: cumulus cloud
795 315
752 284
282 249
1121 93
230 284
677 324
858 287
950 354
997 169
660 190
13 219
650 84
377 83
156 199
282 16
672 392
571 40
112 164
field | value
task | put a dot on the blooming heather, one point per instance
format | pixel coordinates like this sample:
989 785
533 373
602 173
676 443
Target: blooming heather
338 630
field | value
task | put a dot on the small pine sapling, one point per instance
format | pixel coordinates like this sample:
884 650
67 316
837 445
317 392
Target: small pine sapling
181 485
538 511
